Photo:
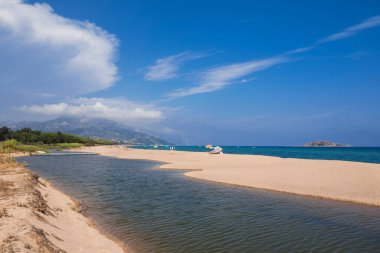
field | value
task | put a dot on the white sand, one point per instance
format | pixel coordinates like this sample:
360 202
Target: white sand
339 180
24 228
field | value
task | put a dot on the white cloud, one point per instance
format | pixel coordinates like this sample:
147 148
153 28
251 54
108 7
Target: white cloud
352 30
42 52
116 109
167 68
217 78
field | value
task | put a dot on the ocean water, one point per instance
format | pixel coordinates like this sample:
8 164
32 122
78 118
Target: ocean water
355 154
155 210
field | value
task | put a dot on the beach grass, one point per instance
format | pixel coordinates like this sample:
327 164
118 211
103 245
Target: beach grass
67 145
10 146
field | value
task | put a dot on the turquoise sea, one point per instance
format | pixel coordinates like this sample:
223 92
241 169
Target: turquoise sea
356 154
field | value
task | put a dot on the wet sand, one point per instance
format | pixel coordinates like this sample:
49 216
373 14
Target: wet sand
339 180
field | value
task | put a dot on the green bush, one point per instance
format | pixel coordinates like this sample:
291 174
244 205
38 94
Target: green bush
67 145
9 146
28 140
29 136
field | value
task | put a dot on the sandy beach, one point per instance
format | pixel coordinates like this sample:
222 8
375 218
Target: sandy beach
36 217
339 180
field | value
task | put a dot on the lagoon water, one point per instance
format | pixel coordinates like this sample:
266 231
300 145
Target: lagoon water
163 211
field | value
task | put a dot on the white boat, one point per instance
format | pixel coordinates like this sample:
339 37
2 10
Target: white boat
216 150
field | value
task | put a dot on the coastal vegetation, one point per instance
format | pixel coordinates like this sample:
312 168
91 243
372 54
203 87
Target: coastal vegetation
29 140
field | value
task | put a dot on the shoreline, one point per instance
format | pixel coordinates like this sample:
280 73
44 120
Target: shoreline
91 221
38 217
354 182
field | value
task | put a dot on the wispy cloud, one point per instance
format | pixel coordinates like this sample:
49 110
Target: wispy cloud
352 30
168 67
217 78
116 109
247 80
300 50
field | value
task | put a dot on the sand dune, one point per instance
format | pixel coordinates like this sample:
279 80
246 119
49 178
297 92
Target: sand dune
339 180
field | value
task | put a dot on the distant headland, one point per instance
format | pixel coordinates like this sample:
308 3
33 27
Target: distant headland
325 144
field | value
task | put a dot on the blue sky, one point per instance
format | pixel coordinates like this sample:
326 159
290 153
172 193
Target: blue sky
221 72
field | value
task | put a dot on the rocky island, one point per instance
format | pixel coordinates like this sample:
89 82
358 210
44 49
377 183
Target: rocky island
325 144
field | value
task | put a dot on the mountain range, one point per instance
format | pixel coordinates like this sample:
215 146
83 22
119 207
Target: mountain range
93 128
